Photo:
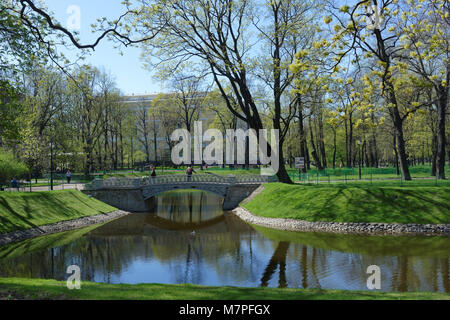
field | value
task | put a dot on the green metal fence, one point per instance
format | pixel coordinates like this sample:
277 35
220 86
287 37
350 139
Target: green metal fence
373 176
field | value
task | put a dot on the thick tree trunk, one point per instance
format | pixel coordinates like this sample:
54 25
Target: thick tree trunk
313 146
282 174
397 169
398 131
440 152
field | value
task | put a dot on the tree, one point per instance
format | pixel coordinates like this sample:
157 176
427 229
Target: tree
188 93
10 108
88 112
143 128
426 52
372 34
218 35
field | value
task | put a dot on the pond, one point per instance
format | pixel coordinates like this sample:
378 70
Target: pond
187 238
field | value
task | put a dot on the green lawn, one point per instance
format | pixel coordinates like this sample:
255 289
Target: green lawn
365 203
51 289
21 211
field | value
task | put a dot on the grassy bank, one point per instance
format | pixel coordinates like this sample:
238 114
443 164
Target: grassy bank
21 211
51 289
363 203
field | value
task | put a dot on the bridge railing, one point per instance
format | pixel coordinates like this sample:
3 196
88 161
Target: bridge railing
250 179
114 183
135 183
179 178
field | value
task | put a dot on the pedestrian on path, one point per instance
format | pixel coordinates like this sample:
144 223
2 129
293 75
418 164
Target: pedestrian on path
68 176
189 172
15 184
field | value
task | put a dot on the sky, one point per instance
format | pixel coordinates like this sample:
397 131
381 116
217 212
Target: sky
131 77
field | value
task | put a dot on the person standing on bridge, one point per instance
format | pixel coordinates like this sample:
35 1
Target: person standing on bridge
189 172
153 172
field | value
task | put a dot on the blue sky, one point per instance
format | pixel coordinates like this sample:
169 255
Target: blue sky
130 76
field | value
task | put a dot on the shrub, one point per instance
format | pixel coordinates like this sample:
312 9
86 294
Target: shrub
10 168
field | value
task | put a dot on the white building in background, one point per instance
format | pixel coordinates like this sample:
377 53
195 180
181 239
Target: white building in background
136 102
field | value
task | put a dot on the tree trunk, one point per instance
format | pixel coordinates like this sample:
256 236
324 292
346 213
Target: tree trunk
434 156
282 174
334 148
397 170
440 152
323 154
313 146
350 160
301 130
398 129
308 160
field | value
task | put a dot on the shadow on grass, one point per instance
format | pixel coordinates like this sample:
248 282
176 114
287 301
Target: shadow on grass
30 210
353 204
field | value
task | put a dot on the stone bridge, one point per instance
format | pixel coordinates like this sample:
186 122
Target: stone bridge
131 194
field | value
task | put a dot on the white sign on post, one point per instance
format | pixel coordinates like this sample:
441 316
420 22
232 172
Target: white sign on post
299 163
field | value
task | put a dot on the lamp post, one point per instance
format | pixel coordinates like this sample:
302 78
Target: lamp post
359 144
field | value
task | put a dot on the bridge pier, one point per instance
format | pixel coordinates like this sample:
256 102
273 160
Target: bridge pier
127 200
236 194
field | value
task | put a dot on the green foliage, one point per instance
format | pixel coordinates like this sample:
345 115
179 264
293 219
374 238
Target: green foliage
10 167
10 109
19 48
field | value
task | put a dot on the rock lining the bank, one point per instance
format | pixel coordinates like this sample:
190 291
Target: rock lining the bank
343 227
21 235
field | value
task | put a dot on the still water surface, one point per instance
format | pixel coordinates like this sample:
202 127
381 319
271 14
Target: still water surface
189 239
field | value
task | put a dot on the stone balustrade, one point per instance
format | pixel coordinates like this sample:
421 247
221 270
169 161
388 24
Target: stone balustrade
133 183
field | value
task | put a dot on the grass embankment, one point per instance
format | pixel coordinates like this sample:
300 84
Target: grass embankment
422 205
51 289
21 211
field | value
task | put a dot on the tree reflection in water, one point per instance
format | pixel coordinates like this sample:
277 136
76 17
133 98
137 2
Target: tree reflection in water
188 239
278 259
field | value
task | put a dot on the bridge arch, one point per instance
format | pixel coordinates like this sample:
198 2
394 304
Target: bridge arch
154 190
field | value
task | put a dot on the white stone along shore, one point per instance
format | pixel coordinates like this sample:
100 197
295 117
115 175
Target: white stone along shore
62 226
342 227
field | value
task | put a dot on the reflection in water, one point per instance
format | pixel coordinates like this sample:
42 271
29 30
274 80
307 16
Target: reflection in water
278 259
188 239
